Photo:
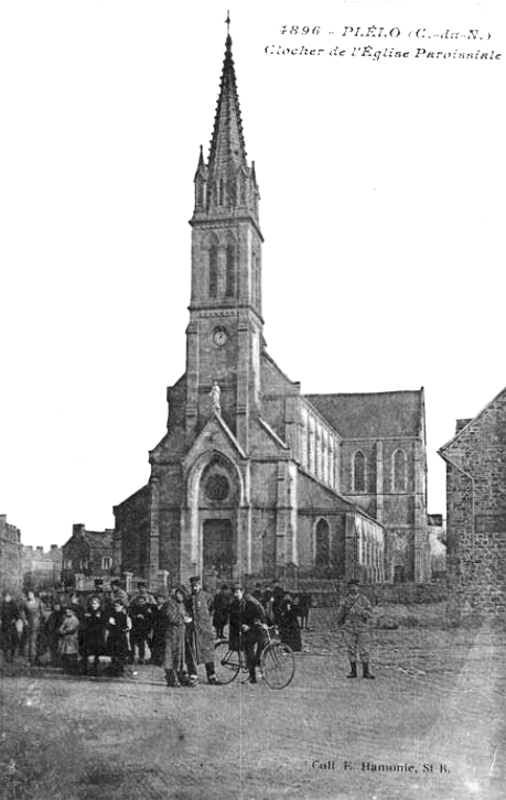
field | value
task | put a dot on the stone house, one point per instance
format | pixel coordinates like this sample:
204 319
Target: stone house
253 477
476 507
88 554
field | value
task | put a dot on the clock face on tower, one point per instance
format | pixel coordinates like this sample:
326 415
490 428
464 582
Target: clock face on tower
220 336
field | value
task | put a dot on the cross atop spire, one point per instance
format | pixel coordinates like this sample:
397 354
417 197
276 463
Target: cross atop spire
228 23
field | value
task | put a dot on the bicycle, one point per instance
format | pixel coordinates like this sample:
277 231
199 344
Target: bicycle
277 662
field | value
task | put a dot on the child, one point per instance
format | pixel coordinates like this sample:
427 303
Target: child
142 623
93 634
157 644
118 630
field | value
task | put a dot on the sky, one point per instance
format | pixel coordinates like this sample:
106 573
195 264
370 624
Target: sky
382 207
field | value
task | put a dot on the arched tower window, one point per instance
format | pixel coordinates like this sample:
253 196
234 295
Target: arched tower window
213 271
230 271
304 440
399 471
359 471
322 543
200 193
311 446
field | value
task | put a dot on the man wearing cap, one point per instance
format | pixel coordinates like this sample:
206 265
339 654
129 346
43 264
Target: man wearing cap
142 592
354 616
199 632
117 593
247 628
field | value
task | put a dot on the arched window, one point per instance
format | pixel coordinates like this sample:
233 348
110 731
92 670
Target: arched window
311 446
213 271
106 562
230 271
304 443
399 471
322 544
359 472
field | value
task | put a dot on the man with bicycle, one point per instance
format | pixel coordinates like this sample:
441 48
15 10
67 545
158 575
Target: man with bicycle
247 628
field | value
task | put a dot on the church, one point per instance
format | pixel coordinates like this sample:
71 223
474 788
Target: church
254 478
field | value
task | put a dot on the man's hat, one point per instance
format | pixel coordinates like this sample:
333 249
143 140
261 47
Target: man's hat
195 579
115 582
98 582
353 582
236 586
141 583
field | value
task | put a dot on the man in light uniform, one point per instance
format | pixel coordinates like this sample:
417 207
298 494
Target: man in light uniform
354 616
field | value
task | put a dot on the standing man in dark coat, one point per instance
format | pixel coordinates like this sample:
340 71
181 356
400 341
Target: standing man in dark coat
175 618
354 616
247 628
200 634
9 618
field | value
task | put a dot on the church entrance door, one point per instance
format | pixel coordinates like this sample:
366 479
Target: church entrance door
219 549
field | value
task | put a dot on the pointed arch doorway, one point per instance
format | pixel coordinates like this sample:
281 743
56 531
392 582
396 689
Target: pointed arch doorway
219 548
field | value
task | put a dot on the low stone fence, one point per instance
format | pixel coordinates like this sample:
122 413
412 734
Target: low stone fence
325 594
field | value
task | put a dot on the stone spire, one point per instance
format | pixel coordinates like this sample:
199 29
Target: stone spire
227 145
226 183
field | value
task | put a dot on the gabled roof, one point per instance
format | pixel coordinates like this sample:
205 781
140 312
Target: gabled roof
467 423
377 415
342 503
99 540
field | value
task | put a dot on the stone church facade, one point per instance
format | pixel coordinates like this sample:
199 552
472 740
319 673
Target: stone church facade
252 477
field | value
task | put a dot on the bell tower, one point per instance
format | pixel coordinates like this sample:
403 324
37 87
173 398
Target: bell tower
224 334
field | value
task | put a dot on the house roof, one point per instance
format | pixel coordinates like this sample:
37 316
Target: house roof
464 424
99 540
376 415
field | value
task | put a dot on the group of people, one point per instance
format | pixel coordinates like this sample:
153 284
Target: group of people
77 630
288 611
178 631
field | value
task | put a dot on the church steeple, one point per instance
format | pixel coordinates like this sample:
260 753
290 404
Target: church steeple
226 183
227 150
224 335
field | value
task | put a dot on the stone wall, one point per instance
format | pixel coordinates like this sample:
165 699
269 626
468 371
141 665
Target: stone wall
476 508
10 556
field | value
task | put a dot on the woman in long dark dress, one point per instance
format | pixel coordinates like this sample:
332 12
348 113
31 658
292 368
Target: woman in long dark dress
288 624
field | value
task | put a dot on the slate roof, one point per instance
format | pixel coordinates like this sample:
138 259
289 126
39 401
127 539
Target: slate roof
376 415
101 541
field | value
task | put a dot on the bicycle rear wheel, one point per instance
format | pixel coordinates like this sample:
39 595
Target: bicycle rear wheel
226 661
278 665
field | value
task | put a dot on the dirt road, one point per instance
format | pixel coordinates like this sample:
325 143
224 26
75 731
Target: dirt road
430 726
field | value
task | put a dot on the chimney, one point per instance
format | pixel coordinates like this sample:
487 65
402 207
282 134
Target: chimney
461 423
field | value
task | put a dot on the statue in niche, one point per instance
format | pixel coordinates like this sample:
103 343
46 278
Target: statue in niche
214 394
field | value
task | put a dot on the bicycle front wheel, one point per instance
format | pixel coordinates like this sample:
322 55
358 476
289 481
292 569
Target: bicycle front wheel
278 665
227 662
